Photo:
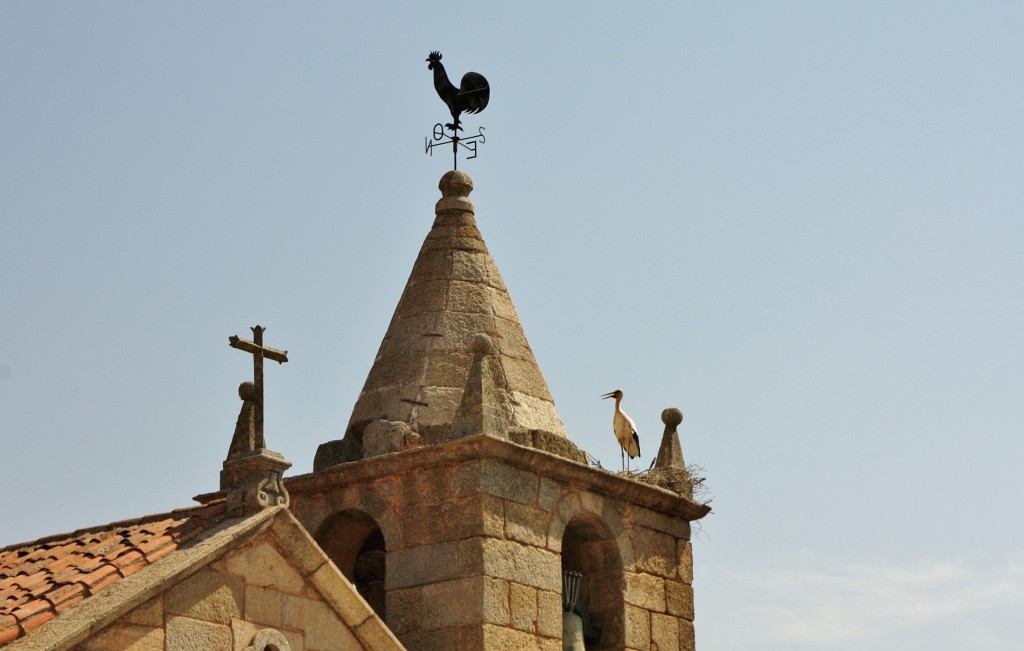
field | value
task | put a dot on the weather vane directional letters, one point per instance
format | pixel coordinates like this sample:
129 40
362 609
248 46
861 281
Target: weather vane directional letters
470 97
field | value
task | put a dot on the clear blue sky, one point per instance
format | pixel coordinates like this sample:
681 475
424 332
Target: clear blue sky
799 222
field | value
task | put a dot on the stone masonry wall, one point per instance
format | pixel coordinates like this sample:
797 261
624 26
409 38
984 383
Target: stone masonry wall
224 605
474 555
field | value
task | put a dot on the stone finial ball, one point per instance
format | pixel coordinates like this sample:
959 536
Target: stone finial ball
672 416
455 184
247 391
482 344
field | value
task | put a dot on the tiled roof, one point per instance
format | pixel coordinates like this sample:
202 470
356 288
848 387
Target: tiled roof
41 578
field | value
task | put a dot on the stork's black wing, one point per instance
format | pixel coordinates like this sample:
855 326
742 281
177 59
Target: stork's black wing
473 93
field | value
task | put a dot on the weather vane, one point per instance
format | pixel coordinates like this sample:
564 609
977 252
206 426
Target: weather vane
470 97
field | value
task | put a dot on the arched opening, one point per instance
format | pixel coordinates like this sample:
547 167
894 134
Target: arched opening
355 543
269 639
589 548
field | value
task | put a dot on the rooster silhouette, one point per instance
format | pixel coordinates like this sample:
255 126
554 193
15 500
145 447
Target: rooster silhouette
470 97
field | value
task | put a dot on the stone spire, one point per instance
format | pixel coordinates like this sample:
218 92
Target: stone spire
670 453
480 411
669 470
453 294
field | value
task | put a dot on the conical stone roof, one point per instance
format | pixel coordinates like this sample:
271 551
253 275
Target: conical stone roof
454 294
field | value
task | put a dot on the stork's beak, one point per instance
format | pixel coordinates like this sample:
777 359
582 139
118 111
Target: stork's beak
610 394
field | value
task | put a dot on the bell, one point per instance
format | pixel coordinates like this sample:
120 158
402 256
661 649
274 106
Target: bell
572 632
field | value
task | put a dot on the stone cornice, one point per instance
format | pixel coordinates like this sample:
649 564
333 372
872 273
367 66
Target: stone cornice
543 463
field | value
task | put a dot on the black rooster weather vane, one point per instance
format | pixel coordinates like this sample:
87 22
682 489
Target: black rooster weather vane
470 97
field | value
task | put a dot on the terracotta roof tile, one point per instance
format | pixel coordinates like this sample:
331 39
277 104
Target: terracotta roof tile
30 609
8 628
39 579
130 562
154 548
65 595
99 578
35 619
85 563
32 582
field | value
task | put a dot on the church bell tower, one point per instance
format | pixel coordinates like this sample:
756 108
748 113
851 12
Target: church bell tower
457 503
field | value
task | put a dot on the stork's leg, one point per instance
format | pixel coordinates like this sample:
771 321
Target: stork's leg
622 453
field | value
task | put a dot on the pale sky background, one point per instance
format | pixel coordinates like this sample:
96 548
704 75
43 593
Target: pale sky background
799 222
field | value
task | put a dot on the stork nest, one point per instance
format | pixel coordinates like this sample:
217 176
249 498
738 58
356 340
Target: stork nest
688 482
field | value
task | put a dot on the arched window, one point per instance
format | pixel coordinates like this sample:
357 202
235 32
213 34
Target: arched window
355 543
269 640
589 548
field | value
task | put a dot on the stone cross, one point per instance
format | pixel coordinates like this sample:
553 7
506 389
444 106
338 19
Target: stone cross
259 352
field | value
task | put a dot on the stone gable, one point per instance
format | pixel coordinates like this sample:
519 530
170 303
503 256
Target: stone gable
254 583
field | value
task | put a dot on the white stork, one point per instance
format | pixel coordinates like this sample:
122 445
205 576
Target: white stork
625 430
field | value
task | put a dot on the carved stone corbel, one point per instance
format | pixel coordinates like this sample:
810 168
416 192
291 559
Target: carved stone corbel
254 481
